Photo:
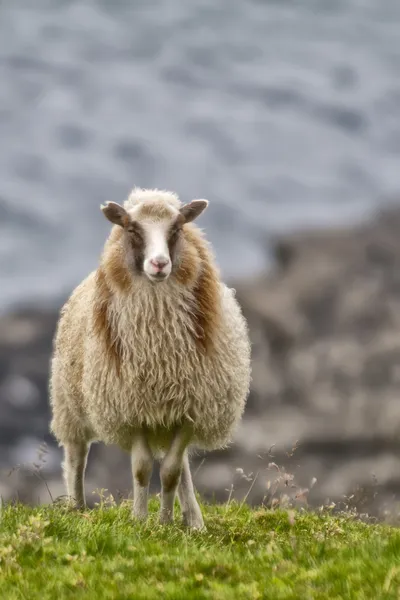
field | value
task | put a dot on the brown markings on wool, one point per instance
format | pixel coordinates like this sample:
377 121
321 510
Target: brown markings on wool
142 475
101 322
188 266
197 261
174 240
137 243
118 271
114 261
170 479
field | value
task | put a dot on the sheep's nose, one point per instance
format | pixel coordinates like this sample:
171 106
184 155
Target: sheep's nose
159 263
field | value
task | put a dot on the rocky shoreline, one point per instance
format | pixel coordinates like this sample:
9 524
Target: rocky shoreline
324 405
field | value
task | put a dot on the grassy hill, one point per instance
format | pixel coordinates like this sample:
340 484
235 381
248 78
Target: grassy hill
55 553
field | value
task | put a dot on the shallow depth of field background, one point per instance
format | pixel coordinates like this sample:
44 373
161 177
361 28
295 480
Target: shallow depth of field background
286 116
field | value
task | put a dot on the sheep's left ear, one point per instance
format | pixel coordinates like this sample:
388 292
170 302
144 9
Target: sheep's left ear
191 211
115 213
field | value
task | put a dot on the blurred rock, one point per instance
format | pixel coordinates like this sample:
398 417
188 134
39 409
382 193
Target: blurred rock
325 328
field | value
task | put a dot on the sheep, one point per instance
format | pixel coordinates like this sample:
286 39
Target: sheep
151 353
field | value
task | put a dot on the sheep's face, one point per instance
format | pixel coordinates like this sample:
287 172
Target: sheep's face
153 234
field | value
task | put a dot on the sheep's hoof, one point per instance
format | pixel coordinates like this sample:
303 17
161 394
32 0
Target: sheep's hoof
193 521
166 518
141 517
71 504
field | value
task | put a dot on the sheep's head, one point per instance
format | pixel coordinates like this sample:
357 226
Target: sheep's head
152 224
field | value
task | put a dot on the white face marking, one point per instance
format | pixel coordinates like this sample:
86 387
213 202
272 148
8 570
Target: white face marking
157 261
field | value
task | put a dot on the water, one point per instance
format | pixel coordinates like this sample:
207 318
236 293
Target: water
283 114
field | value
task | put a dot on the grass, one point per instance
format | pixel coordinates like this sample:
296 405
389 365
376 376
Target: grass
52 552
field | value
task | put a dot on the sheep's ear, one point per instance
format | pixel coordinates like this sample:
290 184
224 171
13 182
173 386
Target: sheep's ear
191 211
115 213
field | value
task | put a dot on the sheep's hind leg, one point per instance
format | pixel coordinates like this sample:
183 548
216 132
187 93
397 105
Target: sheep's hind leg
170 472
142 466
75 458
191 511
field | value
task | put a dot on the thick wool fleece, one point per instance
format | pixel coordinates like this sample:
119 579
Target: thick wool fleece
127 354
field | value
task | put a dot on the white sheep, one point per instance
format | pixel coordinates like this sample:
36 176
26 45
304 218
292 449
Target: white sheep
151 353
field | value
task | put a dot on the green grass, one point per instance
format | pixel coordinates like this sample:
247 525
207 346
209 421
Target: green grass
55 553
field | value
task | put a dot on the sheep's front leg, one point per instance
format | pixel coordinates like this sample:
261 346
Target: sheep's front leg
170 472
75 458
191 511
142 466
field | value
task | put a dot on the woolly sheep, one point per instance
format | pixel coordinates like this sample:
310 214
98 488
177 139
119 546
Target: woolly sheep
151 353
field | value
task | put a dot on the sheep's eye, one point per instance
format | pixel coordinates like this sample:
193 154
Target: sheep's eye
135 234
174 233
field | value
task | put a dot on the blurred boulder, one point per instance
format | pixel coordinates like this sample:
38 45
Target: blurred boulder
325 325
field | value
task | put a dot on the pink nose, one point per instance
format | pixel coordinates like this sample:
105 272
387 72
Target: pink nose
159 263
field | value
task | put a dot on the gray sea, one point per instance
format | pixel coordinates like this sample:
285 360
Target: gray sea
285 114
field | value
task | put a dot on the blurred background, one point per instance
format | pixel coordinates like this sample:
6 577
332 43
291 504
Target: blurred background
286 116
